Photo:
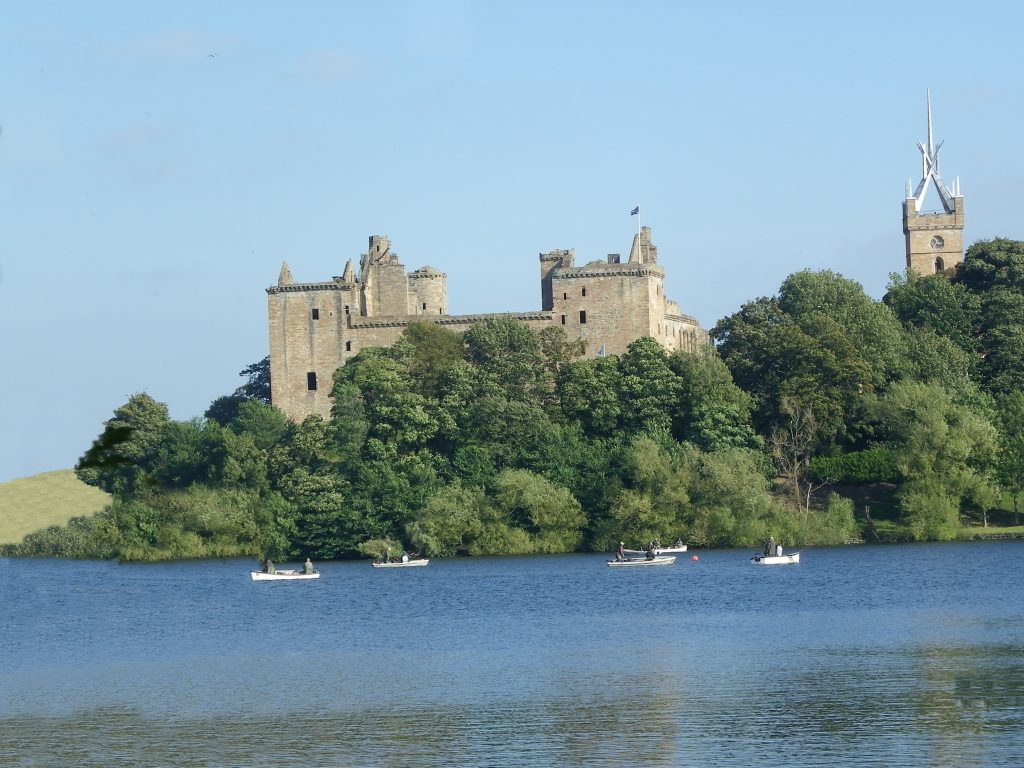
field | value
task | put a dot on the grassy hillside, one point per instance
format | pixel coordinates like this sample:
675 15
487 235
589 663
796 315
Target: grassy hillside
51 498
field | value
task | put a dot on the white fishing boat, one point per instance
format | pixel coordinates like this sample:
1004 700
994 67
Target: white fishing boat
657 551
775 559
402 564
283 575
642 561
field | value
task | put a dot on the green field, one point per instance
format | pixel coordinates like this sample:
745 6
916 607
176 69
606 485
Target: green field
51 498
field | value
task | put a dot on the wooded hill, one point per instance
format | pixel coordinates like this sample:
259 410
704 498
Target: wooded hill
502 440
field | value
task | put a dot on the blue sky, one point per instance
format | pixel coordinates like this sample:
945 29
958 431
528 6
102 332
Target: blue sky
159 160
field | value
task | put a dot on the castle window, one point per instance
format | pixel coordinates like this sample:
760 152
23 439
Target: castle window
311 381
584 290
316 314
583 316
565 296
563 319
940 265
424 306
346 309
348 346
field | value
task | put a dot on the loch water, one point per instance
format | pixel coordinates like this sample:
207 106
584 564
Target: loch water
908 655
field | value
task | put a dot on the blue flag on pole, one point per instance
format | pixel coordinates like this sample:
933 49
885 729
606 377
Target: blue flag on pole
635 211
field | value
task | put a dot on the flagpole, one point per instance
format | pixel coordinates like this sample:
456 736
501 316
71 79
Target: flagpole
639 242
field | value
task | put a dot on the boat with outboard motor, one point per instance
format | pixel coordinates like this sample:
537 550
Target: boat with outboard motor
283 575
775 559
642 561
402 564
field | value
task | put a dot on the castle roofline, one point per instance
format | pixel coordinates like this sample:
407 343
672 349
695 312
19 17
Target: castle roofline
334 285
427 271
603 269
396 321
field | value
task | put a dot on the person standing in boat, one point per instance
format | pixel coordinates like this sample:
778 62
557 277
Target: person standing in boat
268 567
405 556
308 566
769 547
651 551
620 553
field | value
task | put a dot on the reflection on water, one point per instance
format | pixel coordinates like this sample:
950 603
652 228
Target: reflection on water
519 661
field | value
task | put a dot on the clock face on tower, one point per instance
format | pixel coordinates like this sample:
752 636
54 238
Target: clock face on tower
937 242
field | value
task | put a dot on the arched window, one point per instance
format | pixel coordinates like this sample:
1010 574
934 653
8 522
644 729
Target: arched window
940 265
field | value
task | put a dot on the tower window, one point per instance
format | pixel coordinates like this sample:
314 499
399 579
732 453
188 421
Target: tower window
316 314
565 296
348 346
583 316
584 290
940 265
346 309
311 381
424 306
563 319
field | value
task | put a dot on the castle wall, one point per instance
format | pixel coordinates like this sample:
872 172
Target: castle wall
608 305
308 335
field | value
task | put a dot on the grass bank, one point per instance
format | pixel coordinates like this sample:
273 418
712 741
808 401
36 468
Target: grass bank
51 498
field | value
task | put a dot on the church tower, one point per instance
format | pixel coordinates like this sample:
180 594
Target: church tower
935 239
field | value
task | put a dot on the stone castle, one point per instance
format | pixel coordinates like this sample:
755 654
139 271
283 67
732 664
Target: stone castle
316 327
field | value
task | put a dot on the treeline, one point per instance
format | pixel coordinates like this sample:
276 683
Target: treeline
501 440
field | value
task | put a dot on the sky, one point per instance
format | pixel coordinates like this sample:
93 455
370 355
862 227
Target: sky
159 161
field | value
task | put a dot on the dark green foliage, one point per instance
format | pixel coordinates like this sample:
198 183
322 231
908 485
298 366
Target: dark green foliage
121 458
934 302
872 465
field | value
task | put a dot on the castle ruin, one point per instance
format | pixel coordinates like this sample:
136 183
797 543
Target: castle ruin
316 327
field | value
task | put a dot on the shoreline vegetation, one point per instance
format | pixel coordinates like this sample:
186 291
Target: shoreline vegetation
820 416
26 532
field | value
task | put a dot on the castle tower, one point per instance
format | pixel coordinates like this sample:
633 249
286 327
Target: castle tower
385 287
935 239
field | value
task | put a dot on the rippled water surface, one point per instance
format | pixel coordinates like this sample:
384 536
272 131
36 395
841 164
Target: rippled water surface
862 656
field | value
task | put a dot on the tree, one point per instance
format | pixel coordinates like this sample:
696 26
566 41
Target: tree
713 412
120 459
648 389
257 386
507 354
267 425
653 498
399 419
224 409
1002 340
1010 466
792 443
588 394
945 452
547 512
936 303
991 264
449 521
870 327
432 350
